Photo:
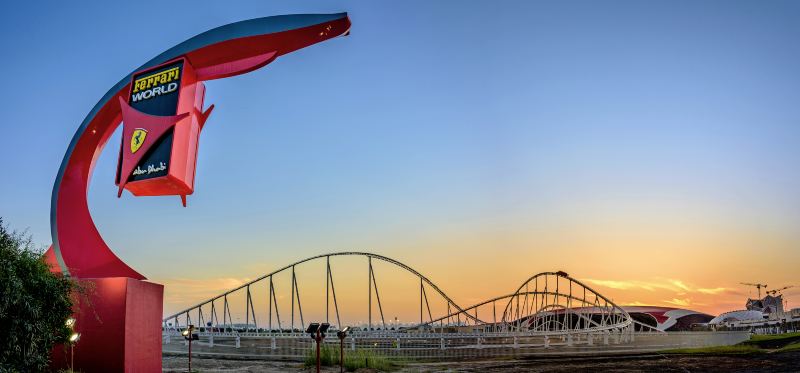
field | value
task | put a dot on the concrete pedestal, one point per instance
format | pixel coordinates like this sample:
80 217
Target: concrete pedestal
120 329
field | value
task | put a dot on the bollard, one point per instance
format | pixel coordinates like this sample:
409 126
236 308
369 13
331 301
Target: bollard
211 341
569 340
238 342
590 339
605 338
546 342
441 343
273 343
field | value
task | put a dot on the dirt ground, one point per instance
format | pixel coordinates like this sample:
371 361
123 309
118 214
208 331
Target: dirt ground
773 362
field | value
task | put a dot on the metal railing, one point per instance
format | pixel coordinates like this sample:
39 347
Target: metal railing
297 346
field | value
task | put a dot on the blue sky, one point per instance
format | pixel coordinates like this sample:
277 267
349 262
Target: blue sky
435 128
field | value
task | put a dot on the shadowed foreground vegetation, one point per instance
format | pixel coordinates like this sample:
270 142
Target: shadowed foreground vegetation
34 305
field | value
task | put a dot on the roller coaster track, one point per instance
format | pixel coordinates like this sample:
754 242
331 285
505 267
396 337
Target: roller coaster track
370 256
556 304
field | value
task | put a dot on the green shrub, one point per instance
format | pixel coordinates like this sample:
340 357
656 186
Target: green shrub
34 305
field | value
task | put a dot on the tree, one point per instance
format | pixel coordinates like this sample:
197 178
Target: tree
34 305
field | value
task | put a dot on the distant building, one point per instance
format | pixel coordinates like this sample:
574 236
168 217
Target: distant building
768 304
666 318
646 317
762 316
737 316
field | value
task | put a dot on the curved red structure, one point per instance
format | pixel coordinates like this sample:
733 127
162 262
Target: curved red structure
78 249
121 327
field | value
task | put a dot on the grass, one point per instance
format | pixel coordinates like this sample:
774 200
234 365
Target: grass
775 341
773 337
756 345
739 349
790 347
353 359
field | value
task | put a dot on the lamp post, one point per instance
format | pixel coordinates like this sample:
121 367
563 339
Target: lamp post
189 336
73 338
342 334
317 332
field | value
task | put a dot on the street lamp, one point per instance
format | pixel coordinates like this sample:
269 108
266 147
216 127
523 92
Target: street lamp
189 336
73 338
342 334
317 332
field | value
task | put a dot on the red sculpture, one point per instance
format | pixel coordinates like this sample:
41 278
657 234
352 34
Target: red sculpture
121 331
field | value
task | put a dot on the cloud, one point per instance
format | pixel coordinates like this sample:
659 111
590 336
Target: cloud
679 287
635 303
184 290
679 284
712 291
626 285
622 285
679 302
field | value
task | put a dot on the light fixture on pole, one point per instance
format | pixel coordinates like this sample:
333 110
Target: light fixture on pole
73 339
317 332
190 336
342 334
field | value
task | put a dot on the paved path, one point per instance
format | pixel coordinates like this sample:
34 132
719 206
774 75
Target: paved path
777 362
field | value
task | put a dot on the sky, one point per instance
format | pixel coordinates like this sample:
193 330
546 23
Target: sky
649 149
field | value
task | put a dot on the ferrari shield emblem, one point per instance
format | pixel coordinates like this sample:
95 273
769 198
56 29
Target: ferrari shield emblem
137 139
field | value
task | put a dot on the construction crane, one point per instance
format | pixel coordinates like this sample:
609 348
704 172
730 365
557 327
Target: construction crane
773 292
758 286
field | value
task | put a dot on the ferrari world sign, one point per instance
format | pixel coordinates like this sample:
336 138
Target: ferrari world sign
161 108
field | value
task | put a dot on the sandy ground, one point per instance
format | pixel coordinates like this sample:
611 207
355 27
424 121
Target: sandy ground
783 362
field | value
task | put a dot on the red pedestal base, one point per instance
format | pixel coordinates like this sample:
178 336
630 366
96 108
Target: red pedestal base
120 329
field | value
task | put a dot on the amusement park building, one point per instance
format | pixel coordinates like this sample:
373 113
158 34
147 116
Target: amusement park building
667 318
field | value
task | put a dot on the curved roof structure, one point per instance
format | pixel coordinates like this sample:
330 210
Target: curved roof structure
667 318
740 315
